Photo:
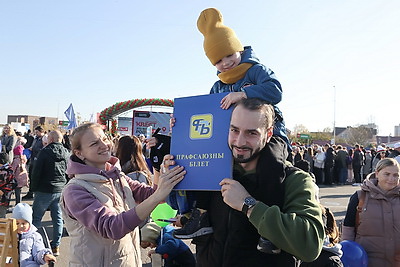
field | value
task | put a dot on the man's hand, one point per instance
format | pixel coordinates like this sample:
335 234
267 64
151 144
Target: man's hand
233 193
232 98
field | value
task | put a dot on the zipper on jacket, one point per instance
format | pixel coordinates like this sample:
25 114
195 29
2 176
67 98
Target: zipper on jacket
227 237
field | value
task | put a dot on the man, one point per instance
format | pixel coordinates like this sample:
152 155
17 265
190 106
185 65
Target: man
37 145
29 139
260 200
357 162
47 181
341 164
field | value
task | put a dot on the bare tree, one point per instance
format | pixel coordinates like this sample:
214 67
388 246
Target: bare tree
359 135
300 129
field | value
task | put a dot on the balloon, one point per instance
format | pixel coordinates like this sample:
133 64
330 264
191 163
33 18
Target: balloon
354 254
162 211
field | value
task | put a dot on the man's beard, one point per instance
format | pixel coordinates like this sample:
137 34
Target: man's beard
241 158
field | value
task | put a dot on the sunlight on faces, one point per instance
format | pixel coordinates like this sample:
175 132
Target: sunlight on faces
388 177
22 226
228 62
247 135
95 148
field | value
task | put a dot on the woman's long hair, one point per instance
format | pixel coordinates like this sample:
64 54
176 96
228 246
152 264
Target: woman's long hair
12 132
129 149
331 228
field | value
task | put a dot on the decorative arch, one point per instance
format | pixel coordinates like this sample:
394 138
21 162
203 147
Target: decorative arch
121 107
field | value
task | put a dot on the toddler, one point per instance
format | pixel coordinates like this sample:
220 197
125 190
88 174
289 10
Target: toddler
32 251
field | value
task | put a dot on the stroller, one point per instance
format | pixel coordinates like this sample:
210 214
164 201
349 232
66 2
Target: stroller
46 242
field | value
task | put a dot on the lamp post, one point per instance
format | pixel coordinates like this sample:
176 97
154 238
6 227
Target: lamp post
334 116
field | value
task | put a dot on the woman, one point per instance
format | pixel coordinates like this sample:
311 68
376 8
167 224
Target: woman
102 207
377 228
130 154
309 156
380 154
319 163
8 140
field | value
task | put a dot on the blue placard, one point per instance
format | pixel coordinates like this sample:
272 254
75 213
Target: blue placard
200 141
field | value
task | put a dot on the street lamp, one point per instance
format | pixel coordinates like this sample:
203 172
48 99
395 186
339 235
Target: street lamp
334 115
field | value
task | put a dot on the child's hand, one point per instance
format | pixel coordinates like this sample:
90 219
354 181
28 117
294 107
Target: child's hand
172 121
177 223
49 257
151 251
232 98
151 142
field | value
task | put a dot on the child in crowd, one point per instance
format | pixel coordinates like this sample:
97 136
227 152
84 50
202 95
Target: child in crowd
160 239
7 185
20 173
32 251
241 73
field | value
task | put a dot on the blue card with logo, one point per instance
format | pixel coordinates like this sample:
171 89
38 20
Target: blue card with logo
200 141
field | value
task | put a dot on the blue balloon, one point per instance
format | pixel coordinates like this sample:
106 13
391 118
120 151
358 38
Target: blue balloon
27 153
354 255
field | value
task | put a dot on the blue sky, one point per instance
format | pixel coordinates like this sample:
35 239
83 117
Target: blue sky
94 53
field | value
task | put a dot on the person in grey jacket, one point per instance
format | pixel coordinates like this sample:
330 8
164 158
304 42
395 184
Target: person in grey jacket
32 251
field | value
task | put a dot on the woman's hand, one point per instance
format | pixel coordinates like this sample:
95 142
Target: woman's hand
167 180
169 177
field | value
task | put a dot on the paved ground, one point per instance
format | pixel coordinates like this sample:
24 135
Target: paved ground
334 197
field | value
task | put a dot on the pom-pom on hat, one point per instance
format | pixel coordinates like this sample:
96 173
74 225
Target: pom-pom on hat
18 150
22 211
150 232
219 40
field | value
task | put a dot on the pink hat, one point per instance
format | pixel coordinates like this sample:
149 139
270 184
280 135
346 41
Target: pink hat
18 150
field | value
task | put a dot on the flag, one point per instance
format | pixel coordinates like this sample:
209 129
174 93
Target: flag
70 114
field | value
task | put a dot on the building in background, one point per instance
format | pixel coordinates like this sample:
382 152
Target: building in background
31 120
397 130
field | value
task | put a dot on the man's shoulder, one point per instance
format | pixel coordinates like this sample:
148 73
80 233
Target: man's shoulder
296 175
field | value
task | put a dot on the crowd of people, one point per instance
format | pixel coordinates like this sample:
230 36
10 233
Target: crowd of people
340 165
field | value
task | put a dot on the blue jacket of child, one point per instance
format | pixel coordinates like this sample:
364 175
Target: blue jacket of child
169 247
32 249
259 82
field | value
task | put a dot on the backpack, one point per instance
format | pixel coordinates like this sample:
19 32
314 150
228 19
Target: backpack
4 157
361 200
327 258
7 184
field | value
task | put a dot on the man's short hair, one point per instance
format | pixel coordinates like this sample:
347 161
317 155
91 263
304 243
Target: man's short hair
256 104
39 128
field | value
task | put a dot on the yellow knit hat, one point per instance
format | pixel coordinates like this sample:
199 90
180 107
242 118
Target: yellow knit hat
219 40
